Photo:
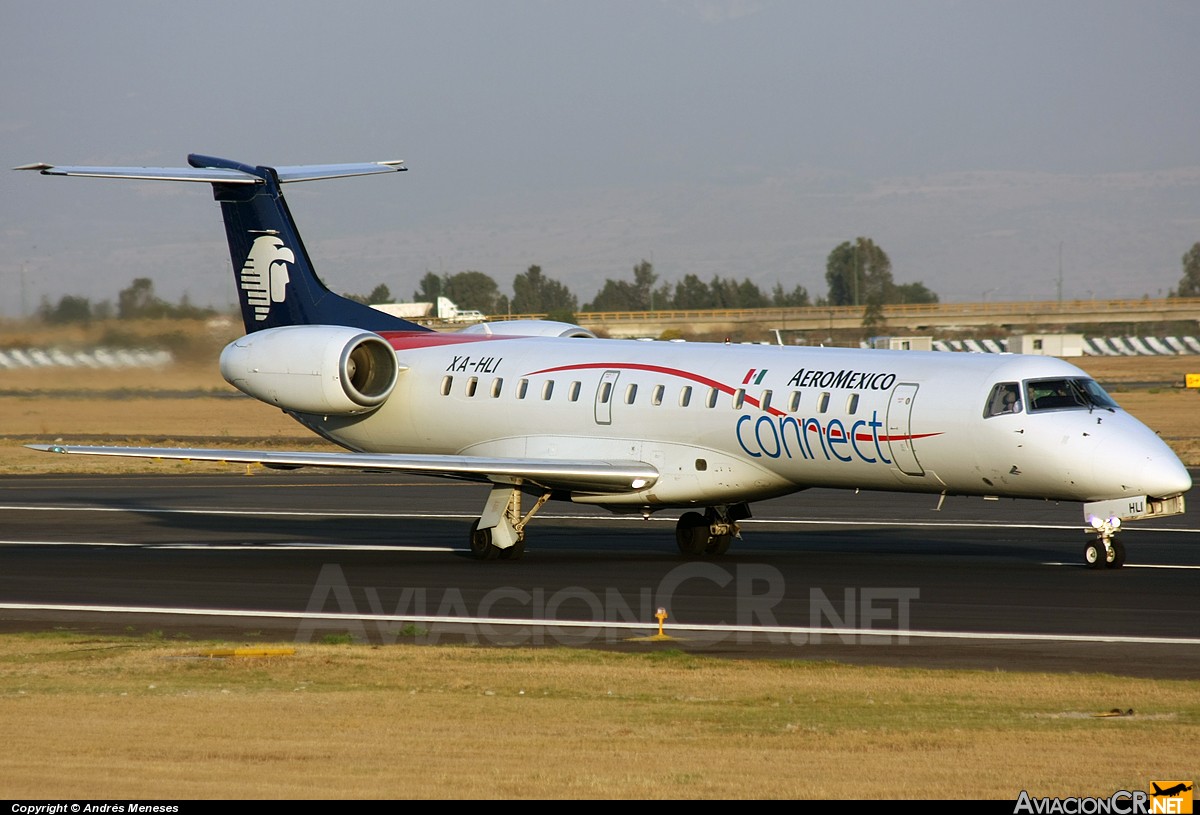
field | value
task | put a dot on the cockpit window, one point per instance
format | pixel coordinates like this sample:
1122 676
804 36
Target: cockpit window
1067 394
1005 398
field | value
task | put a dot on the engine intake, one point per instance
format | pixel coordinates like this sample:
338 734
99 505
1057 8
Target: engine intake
323 369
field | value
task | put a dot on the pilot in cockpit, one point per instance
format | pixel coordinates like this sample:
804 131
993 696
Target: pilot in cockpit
1012 402
1004 398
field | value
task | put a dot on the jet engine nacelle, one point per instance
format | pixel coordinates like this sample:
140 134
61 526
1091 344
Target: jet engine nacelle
324 369
529 328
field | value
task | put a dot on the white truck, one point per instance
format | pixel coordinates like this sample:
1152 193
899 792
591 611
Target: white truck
444 310
453 314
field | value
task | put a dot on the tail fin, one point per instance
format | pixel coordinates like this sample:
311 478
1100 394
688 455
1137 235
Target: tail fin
275 279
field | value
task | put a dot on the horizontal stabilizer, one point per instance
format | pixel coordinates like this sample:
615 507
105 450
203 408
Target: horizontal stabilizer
316 172
222 175
210 174
584 475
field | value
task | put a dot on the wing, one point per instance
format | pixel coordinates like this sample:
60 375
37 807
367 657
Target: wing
580 475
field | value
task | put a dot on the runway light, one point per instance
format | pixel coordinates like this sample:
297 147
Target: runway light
661 615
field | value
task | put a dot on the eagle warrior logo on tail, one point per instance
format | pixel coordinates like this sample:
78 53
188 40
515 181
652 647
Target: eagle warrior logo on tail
264 275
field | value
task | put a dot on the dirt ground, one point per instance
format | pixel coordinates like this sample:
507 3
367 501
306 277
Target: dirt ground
190 405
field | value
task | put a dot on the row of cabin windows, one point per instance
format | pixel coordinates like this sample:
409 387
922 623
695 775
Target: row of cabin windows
657 394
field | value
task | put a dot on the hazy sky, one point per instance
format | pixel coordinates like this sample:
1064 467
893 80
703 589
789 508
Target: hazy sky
984 145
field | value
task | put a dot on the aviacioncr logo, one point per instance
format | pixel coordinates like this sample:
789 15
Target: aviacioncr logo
265 274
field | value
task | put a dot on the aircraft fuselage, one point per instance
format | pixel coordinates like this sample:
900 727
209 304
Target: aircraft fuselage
724 423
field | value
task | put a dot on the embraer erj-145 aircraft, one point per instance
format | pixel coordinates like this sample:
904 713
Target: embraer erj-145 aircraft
546 410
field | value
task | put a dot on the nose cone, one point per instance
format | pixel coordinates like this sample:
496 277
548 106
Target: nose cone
1137 462
1163 476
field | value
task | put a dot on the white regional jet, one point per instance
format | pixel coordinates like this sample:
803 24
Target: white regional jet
545 410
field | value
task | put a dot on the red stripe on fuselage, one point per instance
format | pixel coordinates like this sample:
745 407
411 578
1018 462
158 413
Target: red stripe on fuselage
408 340
660 369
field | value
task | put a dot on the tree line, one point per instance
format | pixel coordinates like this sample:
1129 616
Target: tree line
858 273
137 301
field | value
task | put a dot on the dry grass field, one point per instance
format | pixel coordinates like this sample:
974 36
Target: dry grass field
145 718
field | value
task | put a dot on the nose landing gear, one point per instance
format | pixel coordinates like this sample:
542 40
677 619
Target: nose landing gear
1107 551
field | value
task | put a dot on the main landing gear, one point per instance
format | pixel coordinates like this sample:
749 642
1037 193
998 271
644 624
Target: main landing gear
500 530
711 533
499 534
1107 551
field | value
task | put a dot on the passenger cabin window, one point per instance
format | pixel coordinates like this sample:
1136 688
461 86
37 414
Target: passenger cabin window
472 385
630 394
794 402
573 392
548 389
711 401
605 392
522 387
823 402
497 386
685 396
765 402
656 395
1066 394
851 404
447 383
739 398
1005 398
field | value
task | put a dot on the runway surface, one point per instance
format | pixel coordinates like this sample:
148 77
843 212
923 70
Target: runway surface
829 575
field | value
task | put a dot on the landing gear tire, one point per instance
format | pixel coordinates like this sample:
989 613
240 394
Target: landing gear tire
481 543
1116 558
691 534
718 544
483 548
1097 556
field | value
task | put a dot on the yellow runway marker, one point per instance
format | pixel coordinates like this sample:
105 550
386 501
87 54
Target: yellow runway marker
660 636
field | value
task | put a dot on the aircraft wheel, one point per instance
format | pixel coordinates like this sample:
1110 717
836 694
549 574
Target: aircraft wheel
481 543
1117 559
718 544
691 534
514 552
1094 555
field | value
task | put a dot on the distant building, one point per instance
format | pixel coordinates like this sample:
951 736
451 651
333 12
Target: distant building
1048 345
903 343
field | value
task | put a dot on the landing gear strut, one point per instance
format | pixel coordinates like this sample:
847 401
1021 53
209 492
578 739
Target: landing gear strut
1107 551
500 530
711 533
